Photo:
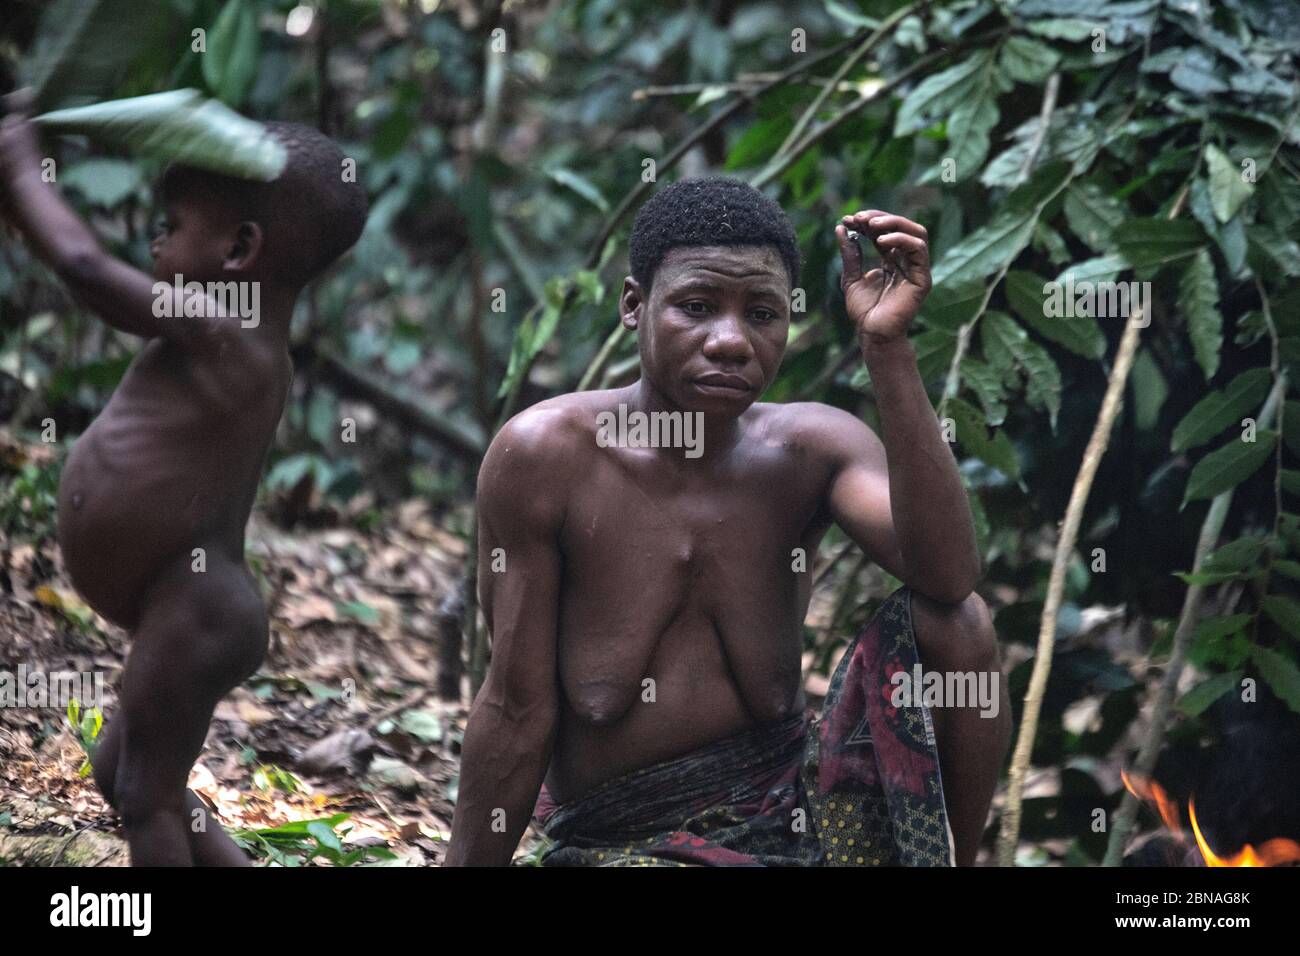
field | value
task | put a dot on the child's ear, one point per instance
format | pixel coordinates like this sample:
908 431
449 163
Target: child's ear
245 249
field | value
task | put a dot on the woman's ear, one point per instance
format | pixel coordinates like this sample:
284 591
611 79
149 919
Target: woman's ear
630 304
246 248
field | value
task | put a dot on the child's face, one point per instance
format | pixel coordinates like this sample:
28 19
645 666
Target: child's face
193 240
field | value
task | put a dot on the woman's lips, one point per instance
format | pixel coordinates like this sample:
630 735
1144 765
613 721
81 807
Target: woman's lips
724 383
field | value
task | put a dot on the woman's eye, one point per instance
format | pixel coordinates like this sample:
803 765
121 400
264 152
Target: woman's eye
703 307
763 315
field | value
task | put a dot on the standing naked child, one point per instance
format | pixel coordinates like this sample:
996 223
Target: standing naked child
156 493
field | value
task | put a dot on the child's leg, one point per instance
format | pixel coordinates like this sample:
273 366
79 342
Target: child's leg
209 843
199 635
971 746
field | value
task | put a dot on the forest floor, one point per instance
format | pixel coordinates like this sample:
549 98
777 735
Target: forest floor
341 718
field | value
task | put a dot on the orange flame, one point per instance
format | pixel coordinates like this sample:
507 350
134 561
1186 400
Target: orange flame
1276 852
1152 792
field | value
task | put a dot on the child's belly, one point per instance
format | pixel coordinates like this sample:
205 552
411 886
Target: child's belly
125 507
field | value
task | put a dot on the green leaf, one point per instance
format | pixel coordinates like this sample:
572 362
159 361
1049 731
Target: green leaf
1219 409
972 119
1044 378
970 122
84 47
104 182
1288 569
1198 297
937 95
1291 481
424 725
1093 214
849 16
989 248
1238 555
972 432
1214 628
358 611
1280 672
1081 334
1095 270
950 306
1026 60
180 126
1149 390
1153 242
986 382
1207 692
324 835
1063 28
531 338
580 185
230 63
1197 73
1228 466
758 142
934 352
1284 612
1227 188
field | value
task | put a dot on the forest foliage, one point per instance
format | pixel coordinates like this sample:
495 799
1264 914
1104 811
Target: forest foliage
1045 145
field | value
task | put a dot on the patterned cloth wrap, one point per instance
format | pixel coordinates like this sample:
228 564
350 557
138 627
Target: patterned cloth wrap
857 786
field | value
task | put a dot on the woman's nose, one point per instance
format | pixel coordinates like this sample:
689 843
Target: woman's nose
727 340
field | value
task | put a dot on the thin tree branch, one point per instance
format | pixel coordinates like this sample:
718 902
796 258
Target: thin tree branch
1010 832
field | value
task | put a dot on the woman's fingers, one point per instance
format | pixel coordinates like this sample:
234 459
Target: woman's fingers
850 255
877 223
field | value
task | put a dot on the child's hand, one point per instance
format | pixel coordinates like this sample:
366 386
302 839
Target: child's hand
20 151
883 302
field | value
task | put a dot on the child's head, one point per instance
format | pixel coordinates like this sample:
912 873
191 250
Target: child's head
286 231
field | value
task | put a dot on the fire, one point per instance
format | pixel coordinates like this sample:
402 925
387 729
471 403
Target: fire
1276 852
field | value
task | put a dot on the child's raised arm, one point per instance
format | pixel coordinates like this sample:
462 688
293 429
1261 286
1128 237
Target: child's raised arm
122 295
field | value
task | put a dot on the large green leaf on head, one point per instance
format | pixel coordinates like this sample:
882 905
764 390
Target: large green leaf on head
83 48
178 126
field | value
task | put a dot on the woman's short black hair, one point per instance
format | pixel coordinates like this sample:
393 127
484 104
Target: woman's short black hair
708 211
